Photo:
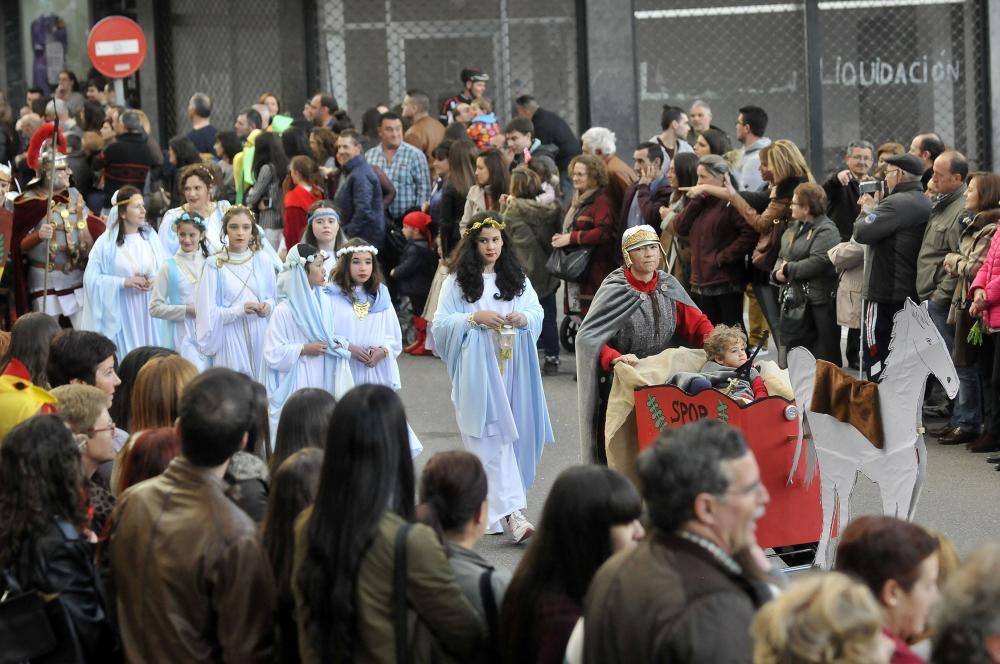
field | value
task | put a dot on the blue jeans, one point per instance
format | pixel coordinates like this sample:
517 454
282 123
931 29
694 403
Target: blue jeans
967 414
549 339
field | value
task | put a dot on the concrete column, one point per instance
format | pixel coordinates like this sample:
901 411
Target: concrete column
610 37
148 76
991 45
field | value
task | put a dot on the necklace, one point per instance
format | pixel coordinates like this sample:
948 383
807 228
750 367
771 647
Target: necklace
361 308
220 261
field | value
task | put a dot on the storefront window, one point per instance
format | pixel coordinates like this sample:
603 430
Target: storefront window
54 35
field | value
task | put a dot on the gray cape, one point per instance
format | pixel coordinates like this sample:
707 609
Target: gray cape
613 303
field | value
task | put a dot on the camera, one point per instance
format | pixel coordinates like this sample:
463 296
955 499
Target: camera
871 187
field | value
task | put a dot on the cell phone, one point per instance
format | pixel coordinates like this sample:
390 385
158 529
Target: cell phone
870 187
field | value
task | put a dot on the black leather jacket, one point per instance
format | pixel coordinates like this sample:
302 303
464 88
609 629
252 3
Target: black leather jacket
62 562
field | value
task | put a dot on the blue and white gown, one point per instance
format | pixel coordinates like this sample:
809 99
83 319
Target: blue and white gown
230 336
303 315
173 290
502 416
119 313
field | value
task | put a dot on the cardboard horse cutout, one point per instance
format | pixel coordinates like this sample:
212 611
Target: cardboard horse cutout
898 466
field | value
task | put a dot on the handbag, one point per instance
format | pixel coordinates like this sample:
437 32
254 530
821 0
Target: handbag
36 627
963 353
25 629
765 252
570 263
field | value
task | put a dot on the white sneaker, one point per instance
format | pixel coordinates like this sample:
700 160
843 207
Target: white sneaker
518 526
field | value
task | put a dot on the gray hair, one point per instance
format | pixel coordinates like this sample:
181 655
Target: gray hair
59 107
966 613
599 139
131 121
684 463
202 104
420 99
716 164
700 103
864 145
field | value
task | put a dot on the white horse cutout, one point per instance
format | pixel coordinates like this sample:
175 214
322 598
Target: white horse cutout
899 469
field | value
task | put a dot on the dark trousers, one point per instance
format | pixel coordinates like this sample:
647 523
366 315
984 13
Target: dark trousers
853 344
876 326
989 378
549 339
725 309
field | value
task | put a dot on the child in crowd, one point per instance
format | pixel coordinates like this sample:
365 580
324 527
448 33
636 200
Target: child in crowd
415 272
174 288
726 348
484 124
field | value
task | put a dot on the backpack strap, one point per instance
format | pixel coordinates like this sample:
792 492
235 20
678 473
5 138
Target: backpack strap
399 595
489 604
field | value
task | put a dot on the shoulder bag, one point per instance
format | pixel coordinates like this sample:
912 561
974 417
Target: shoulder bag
570 263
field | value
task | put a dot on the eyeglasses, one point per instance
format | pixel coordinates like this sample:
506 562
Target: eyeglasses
890 172
111 427
755 487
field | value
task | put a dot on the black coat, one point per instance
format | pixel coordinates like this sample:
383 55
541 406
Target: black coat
894 232
552 129
842 206
62 562
416 269
126 160
452 207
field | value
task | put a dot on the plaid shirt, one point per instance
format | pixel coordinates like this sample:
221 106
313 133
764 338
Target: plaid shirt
409 174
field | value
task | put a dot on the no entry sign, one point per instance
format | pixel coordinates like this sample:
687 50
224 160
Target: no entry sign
116 46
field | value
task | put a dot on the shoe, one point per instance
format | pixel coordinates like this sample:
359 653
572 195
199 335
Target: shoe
993 459
518 526
958 437
417 347
985 443
551 366
937 432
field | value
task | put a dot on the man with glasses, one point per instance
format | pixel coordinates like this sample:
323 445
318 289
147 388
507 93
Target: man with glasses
893 230
699 574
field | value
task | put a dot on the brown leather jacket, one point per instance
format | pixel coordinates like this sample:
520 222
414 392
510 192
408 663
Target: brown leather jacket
191 582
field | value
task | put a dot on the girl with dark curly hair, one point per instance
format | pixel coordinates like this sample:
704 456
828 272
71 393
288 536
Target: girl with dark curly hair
43 529
486 326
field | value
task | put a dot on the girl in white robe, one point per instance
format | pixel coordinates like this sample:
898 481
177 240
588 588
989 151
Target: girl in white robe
300 348
485 329
174 289
235 297
364 315
118 280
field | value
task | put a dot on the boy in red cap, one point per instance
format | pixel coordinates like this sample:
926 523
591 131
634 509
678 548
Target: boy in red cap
415 272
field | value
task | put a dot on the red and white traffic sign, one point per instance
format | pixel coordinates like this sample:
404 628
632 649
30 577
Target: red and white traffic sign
116 46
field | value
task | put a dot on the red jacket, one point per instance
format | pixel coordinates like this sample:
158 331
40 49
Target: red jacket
595 224
720 241
297 204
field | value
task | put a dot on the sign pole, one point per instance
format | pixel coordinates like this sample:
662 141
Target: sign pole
120 92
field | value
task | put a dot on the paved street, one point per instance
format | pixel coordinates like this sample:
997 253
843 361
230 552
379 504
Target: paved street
961 497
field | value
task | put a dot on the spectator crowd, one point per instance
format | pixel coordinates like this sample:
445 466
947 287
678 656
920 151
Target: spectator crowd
204 455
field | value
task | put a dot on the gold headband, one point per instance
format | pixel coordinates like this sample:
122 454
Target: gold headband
639 237
488 221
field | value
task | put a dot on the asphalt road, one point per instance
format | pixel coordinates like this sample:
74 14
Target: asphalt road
960 499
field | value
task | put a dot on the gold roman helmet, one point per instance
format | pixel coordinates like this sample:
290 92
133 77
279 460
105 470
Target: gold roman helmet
639 236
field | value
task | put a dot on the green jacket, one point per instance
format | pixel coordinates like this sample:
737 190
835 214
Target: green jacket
941 237
530 226
438 617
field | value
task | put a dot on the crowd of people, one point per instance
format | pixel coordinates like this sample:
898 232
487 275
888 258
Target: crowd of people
205 457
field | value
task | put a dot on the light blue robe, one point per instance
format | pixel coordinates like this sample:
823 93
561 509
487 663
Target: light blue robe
509 409
121 314
303 315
